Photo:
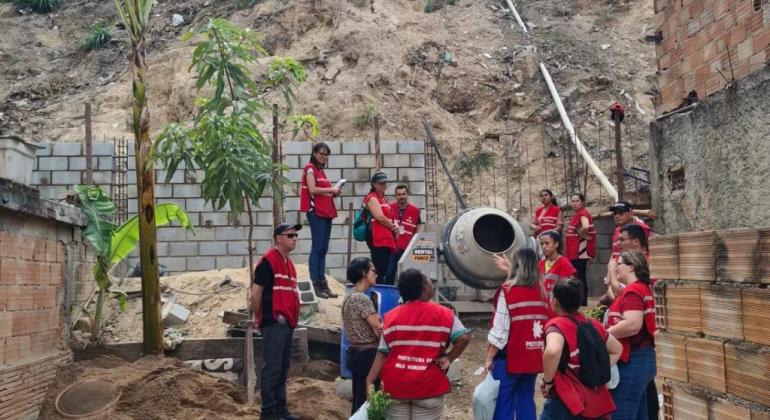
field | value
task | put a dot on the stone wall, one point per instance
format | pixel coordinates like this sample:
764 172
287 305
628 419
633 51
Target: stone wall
696 36
710 166
43 268
220 242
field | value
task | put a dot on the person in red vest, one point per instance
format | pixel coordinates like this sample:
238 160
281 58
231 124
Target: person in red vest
412 356
623 214
383 230
581 240
275 303
631 318
553 267
316 200
408 217
567 397
548 215
515 341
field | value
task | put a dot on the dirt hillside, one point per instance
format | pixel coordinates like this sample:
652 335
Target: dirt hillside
466 66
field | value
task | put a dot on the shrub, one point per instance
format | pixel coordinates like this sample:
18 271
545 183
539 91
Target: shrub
364 116
40 6
99 35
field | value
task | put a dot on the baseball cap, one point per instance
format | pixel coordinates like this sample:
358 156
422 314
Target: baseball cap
283 227
379 177
621 207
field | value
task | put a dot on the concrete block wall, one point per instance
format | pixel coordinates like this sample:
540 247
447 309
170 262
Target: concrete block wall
220 242
60 166
696 38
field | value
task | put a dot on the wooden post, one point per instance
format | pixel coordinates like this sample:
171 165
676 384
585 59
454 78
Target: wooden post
89 147
617 116
350 232
248 349
377 155
277 195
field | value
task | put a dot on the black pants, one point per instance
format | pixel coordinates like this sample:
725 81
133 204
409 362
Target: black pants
581 266
359 363
381 259
276 345
653 405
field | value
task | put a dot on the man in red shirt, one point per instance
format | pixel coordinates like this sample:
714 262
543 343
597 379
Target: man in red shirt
408 217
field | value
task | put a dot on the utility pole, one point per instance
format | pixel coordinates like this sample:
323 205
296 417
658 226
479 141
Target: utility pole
617 113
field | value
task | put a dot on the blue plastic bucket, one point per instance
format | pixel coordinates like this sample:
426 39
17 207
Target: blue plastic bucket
386 298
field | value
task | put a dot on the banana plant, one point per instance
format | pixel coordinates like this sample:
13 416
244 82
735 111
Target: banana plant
113 243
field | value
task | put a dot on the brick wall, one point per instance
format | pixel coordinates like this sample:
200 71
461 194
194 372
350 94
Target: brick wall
41 255
696 38
219 242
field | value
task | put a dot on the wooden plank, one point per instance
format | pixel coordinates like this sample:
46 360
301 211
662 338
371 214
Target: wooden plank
697 257
689 407
721 311
706 363
664 257
672 356
756 305
738 255
726 410
747 373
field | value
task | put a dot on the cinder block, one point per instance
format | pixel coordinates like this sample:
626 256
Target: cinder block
294 175
182 191
131 177
65 178
342 161
417 188
335 147
333 174
338 273
45 151
132 206
198 205
232 262
79 163
177 315
265 218
102 178
335 260
297 148
163 191
411 146
103 149
182 249
388 146
161 249
213 248
131 163
214 219
201 263
290 203
398 161
171 234
411 174
237 248
417 161
418 200
66 149
293 161
364 161
105 163
41 178
355 147
338 246
177 178
263 246
358 174
228 233
174 264
299 258
55 163
360 189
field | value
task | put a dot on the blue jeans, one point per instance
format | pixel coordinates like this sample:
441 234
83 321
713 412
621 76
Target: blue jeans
516 399
631 393
390 276
554 409
320 232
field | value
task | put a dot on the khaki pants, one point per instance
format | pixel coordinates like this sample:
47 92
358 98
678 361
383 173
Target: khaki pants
427 409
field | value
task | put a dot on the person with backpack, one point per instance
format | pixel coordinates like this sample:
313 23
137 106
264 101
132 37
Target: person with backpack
383 230
316 200
576 361
631 318
515 341
553 267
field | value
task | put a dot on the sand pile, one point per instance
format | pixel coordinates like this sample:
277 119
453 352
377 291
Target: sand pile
163 388
199 292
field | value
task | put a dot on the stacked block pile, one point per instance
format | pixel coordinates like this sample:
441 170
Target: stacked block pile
713 345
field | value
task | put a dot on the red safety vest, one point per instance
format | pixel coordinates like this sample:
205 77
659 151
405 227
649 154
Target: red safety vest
561 270
529 310
547 218
322 204
381 236
417 333
615 313
285 291
574 241
579 399
616 248
408 220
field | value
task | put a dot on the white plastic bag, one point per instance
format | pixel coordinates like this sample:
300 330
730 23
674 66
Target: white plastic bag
362 413
485 398
614 377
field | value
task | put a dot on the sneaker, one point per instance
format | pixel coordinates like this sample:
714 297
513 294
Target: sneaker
320 291
328 290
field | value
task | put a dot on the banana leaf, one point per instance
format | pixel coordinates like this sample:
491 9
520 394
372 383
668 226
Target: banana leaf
124 239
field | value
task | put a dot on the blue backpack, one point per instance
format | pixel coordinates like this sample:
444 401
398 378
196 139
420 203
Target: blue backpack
361 224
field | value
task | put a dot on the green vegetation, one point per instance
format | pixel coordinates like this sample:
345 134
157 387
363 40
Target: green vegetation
364 116
474 164
596 313
379 403
99 35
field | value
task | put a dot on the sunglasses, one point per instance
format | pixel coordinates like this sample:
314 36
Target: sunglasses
290 235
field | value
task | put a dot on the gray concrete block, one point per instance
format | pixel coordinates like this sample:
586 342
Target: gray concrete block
411 174
214 219
417 188
303 245
79 163
131 148
333 174
170 234
41 178
338 246
360 247
232 262
265 218
388 146
417 161
294 175
355 147
397 161
356 175
201 233
340 231
174 263
212 248
265 203
131 163
364 161
51 192
335 147
297 148
55 163
419 201
299 258
103 149
411 146
337 273
183 249
101 177
65 178
132 206
201 263
177 178
176 315
290 203
262 247
292 161
230 233
131 191
335 260
163 191
360 189
104 164
45 151
349 198
161 248
131 177
66 149
186 190
237 248
342 161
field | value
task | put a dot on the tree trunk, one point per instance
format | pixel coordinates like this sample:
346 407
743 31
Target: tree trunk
277 198
145 179
250 375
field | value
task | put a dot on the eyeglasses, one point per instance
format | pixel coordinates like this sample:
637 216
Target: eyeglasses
290 235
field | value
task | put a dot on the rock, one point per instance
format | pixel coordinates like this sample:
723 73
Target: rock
605 46
344 388
527 63
177 20
178 314
83 324
454 373
518 75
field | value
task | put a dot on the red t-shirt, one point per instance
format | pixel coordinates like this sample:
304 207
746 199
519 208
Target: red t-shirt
634 302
